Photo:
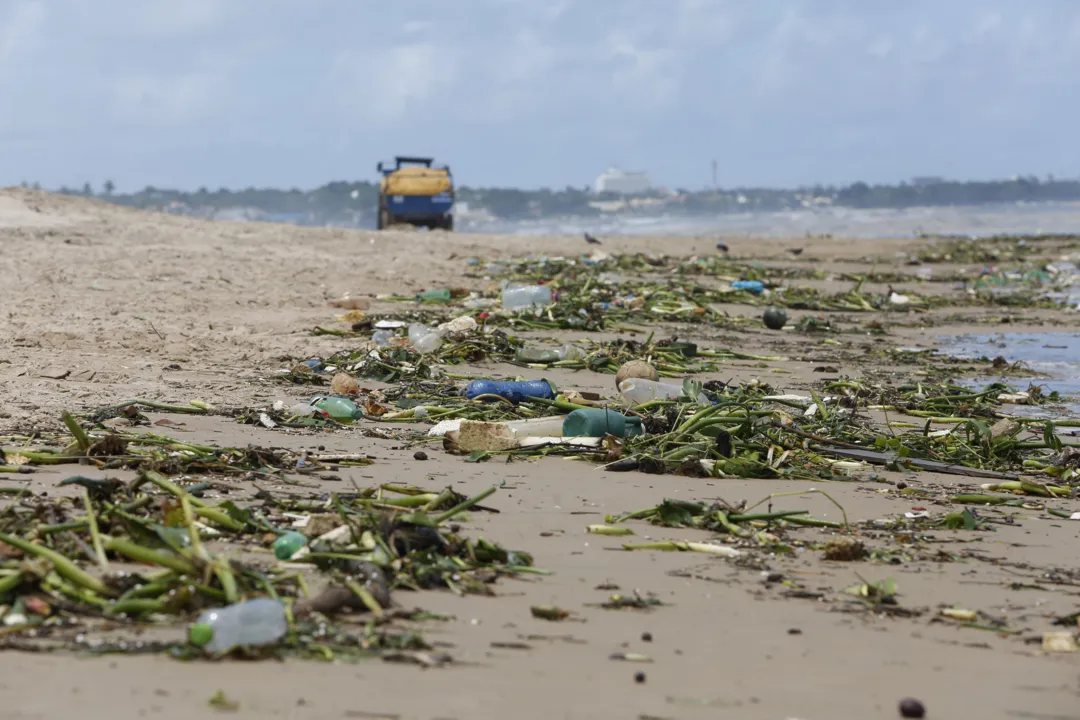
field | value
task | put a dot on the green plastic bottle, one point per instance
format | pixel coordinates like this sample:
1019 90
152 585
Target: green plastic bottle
544 356
435 296
537 356
341 409
597 422
286 545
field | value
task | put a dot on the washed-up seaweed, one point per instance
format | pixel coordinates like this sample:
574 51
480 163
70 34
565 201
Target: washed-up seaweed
123 556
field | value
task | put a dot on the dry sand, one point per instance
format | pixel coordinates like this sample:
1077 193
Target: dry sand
102 304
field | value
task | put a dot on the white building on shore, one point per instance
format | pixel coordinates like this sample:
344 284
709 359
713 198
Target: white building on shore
622 182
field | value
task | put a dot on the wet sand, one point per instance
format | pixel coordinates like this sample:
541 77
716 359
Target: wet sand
104 304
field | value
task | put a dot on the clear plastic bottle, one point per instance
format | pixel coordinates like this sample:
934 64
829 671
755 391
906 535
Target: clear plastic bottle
544 356
302 410
642 390
382 338
521 297
424 340
255 622
571 352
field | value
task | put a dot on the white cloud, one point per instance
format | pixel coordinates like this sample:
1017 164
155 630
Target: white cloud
415 27
169 17
647 77
20 27
590 78
167 99
385 84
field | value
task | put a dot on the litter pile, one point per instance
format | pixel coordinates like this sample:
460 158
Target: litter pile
319 575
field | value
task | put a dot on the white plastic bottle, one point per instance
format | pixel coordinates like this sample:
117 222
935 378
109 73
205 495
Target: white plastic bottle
255 622
570 352
523 296
537 427
641 390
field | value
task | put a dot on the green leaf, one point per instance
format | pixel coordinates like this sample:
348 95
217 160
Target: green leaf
174 537
236 513
673 515
1050 436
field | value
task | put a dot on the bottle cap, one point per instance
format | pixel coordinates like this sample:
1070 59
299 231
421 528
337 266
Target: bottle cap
200 634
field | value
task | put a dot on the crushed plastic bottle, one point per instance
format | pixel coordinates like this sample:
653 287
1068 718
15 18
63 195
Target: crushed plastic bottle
302 410
382 338
521 297
642 390
753 286
513 390
442 295
544 356
255 622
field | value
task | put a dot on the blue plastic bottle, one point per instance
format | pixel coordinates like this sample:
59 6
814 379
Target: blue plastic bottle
754 286
513 390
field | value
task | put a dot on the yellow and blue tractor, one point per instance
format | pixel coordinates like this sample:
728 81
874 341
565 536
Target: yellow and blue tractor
414 192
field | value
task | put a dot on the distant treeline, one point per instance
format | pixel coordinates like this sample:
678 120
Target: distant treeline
343 200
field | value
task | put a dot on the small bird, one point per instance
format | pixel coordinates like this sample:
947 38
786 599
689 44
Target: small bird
721 247
795 251
591 240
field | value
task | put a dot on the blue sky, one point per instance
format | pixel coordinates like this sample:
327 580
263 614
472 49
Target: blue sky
529 93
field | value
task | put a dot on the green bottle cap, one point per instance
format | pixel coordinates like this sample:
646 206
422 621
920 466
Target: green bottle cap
200 634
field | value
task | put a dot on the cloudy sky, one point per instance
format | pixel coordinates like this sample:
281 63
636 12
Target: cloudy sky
529 93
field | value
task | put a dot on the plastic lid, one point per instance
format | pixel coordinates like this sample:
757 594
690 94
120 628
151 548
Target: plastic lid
200 634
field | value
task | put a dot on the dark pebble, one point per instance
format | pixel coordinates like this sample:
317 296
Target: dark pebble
912 708
646 637
901 485
794 631
322 448
419 455
639 677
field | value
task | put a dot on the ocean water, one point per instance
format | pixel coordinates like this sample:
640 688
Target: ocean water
1054 356
975 221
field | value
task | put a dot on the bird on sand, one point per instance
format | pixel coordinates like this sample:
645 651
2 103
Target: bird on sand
591 240
721 247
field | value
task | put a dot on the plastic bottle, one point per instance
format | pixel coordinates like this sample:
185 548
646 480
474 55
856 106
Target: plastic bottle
544 356
513 390
424 340
521 297
641 390
537 427
754 286
256 622
598 422
340 409
302 410
286 545
434 296
382 338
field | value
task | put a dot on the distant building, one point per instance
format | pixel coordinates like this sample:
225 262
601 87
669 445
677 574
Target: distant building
622 182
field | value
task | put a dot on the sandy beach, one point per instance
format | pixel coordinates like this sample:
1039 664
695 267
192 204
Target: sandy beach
103 304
